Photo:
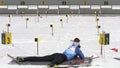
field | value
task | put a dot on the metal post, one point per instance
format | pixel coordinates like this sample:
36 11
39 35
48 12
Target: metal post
97 28
9 18
52 31
38 14
67 18
26 23
38 18
101 50
61 24
46 12
37 48
8 29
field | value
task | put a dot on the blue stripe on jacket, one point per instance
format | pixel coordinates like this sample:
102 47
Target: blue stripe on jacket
73 51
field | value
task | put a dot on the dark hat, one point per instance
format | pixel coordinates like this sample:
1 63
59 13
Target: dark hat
76 40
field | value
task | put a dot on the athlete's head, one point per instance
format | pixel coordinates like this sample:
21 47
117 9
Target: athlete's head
77 42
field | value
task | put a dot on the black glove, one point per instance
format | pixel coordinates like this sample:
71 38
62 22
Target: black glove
79 46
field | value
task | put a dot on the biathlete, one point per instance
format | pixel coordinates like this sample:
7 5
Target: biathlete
58 58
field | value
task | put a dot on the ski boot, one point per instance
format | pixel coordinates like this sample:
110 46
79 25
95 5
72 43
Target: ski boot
19 59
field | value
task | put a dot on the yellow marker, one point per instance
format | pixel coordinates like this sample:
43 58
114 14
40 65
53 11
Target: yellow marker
39 40
95 13
102 39
6 38
62 20
98 27
7 25
53 25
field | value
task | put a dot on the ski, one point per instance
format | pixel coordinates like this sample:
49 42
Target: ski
81 63
56 66
76 63
14 59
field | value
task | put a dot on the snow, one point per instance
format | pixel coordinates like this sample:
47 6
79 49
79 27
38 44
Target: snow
81 26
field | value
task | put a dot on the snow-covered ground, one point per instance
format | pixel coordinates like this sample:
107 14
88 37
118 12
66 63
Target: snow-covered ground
81 26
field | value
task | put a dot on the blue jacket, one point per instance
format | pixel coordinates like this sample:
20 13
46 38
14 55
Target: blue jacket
73 51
